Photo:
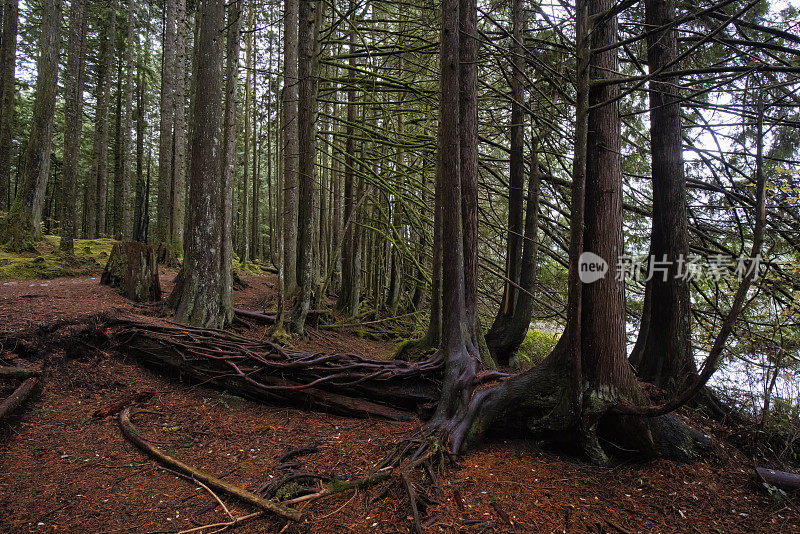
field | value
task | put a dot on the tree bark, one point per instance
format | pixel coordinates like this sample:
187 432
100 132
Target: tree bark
105 66
349 295
201 295
498 338
141 216
290 145
8 96
166 117
178 215
665 358
73 121
26 212
308 75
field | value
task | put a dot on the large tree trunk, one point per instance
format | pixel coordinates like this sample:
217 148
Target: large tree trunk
290 146
123 220
201 296
349 294
73 121
26 211
105 66
8 94
663 353
166 117
547 398
178 215
498 338
310 19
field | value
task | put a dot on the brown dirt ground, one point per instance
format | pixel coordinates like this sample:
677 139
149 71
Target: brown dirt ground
63 471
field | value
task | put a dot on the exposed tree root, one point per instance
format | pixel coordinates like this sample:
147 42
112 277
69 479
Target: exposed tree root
129 431
18 372
342 383
18 397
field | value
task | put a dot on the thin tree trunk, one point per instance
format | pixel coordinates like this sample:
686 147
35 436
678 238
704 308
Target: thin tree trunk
102 119
141 202
73 121
178 215
166 117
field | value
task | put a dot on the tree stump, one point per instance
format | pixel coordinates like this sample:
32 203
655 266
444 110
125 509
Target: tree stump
132 269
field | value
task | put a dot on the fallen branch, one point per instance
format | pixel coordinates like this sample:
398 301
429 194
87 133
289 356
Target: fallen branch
117 406
780 479
225 525
18 372
129 431
18 397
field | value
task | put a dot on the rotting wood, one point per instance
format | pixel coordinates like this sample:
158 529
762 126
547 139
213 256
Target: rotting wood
129 431
18 397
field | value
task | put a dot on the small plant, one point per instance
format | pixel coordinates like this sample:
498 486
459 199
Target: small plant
535 348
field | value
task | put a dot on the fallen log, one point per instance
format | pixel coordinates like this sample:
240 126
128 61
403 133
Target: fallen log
342 383
18 397
780 479
18 372
130 433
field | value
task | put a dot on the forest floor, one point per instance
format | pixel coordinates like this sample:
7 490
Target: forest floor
61 470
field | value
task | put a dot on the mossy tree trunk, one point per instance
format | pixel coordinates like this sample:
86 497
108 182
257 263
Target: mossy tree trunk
201 296
8 96
22 227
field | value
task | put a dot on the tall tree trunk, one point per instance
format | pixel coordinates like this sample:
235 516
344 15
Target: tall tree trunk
245 243
230 132
178 215
8 94
255 223
73 121
308 76
290 146
349 295
140 212
498 338
26 212
115 217
166 117
202 295
664 349
102 118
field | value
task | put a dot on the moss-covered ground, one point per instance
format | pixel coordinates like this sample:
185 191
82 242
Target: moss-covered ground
49 262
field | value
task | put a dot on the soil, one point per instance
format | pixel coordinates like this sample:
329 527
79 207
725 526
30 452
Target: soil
61 470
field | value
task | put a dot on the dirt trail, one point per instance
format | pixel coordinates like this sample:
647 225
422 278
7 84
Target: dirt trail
63 471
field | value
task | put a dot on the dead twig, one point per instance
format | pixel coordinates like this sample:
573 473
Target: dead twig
130 433
18 397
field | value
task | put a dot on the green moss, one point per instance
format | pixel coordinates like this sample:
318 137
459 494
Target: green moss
49 262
